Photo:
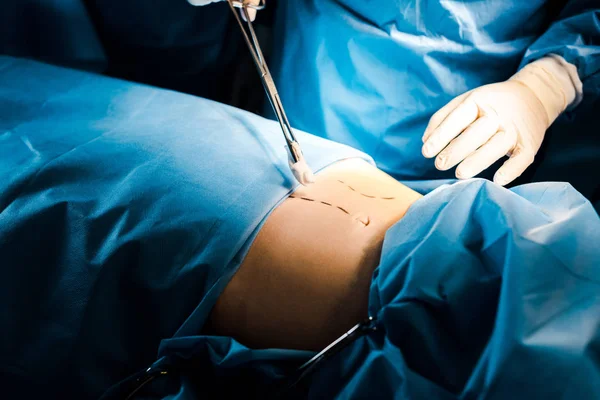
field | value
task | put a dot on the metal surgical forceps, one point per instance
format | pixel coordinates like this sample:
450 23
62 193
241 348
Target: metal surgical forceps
297 163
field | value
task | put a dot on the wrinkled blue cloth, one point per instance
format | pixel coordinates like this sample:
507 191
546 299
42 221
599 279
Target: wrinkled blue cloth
124 211
371 74
486 293
482 292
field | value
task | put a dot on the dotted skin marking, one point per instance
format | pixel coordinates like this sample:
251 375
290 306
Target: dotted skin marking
322 202
363 194
341 208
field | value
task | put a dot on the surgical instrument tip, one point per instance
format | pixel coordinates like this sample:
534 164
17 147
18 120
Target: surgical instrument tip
297 163
300 169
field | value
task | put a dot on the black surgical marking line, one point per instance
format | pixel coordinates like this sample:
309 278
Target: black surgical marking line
327 204
363 194
340 208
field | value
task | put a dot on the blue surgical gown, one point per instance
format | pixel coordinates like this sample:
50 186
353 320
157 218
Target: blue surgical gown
124 211
163 43
481 293
56 31
371 74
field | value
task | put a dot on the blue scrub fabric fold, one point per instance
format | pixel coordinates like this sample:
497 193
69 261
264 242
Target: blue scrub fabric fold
124 212
372 75
481 292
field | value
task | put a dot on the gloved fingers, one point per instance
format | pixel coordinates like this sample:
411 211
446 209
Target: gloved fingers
467 142
439 117
251 11
518 162
456 122
495 148
251 14
201 2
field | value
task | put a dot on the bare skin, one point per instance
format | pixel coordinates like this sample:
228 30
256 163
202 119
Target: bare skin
306 278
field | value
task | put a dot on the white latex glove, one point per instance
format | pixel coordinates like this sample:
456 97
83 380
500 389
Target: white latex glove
251 11
508 118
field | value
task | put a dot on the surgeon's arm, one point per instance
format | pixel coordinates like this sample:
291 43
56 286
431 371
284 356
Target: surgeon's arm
575 37
306 278
511 118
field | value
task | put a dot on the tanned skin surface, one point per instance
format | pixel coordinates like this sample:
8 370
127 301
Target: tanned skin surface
306 278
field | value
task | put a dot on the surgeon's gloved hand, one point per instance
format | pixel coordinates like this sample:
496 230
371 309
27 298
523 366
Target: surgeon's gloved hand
507 118
251 11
